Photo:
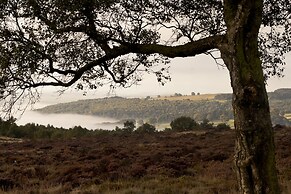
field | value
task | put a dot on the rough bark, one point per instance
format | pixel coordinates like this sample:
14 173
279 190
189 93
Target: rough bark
255 152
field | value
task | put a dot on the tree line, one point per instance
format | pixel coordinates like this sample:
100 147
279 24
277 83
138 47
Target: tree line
9 128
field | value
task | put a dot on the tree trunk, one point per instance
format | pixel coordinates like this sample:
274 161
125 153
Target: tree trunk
255 152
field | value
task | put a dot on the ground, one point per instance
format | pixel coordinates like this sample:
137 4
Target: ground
130 163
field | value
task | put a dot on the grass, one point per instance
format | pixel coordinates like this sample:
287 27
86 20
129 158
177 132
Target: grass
162 185
157 185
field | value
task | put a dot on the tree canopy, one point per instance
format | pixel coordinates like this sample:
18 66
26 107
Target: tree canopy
89 43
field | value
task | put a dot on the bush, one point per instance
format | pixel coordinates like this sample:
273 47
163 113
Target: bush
146 128
184 124
15 132
77 131
128 127
222 126
205 124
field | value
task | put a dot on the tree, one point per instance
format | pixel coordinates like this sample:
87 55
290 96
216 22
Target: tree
91 42
178 94
129 126
183 124
146 128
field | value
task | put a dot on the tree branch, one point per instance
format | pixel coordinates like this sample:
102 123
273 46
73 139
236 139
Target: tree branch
186 50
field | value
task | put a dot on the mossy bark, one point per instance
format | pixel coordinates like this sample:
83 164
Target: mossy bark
255 152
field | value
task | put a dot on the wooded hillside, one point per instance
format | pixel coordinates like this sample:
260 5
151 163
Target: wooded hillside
163 109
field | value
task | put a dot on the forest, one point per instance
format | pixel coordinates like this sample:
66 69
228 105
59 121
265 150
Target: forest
164 110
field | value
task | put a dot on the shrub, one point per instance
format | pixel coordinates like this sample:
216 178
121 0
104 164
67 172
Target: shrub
146 128
205 124
222 126
77 131
15 132
128 127
183 124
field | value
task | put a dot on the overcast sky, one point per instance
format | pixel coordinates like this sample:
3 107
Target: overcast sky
200 74
196 74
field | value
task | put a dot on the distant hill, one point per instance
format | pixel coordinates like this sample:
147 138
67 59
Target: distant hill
214 107
148 109
280 94
188 97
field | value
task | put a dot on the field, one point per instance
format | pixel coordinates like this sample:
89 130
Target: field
161 163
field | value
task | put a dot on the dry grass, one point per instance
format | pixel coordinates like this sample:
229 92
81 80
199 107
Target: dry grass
188 97
162 185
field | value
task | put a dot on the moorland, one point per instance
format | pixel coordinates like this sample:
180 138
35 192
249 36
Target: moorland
160 162
45 159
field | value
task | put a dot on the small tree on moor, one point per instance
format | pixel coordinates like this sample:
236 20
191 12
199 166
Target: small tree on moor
184 124
88 43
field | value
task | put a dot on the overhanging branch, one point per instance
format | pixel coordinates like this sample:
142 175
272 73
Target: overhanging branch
189 49
186 50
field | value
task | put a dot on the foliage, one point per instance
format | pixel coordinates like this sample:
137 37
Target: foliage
154 110
34 131
184 124
280 94
164 111
188 124
146 128
222 126
205 124
128 127
178 94
80 45
9 128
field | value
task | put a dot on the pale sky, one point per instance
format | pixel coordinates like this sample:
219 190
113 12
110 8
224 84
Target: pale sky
196 74
199 74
